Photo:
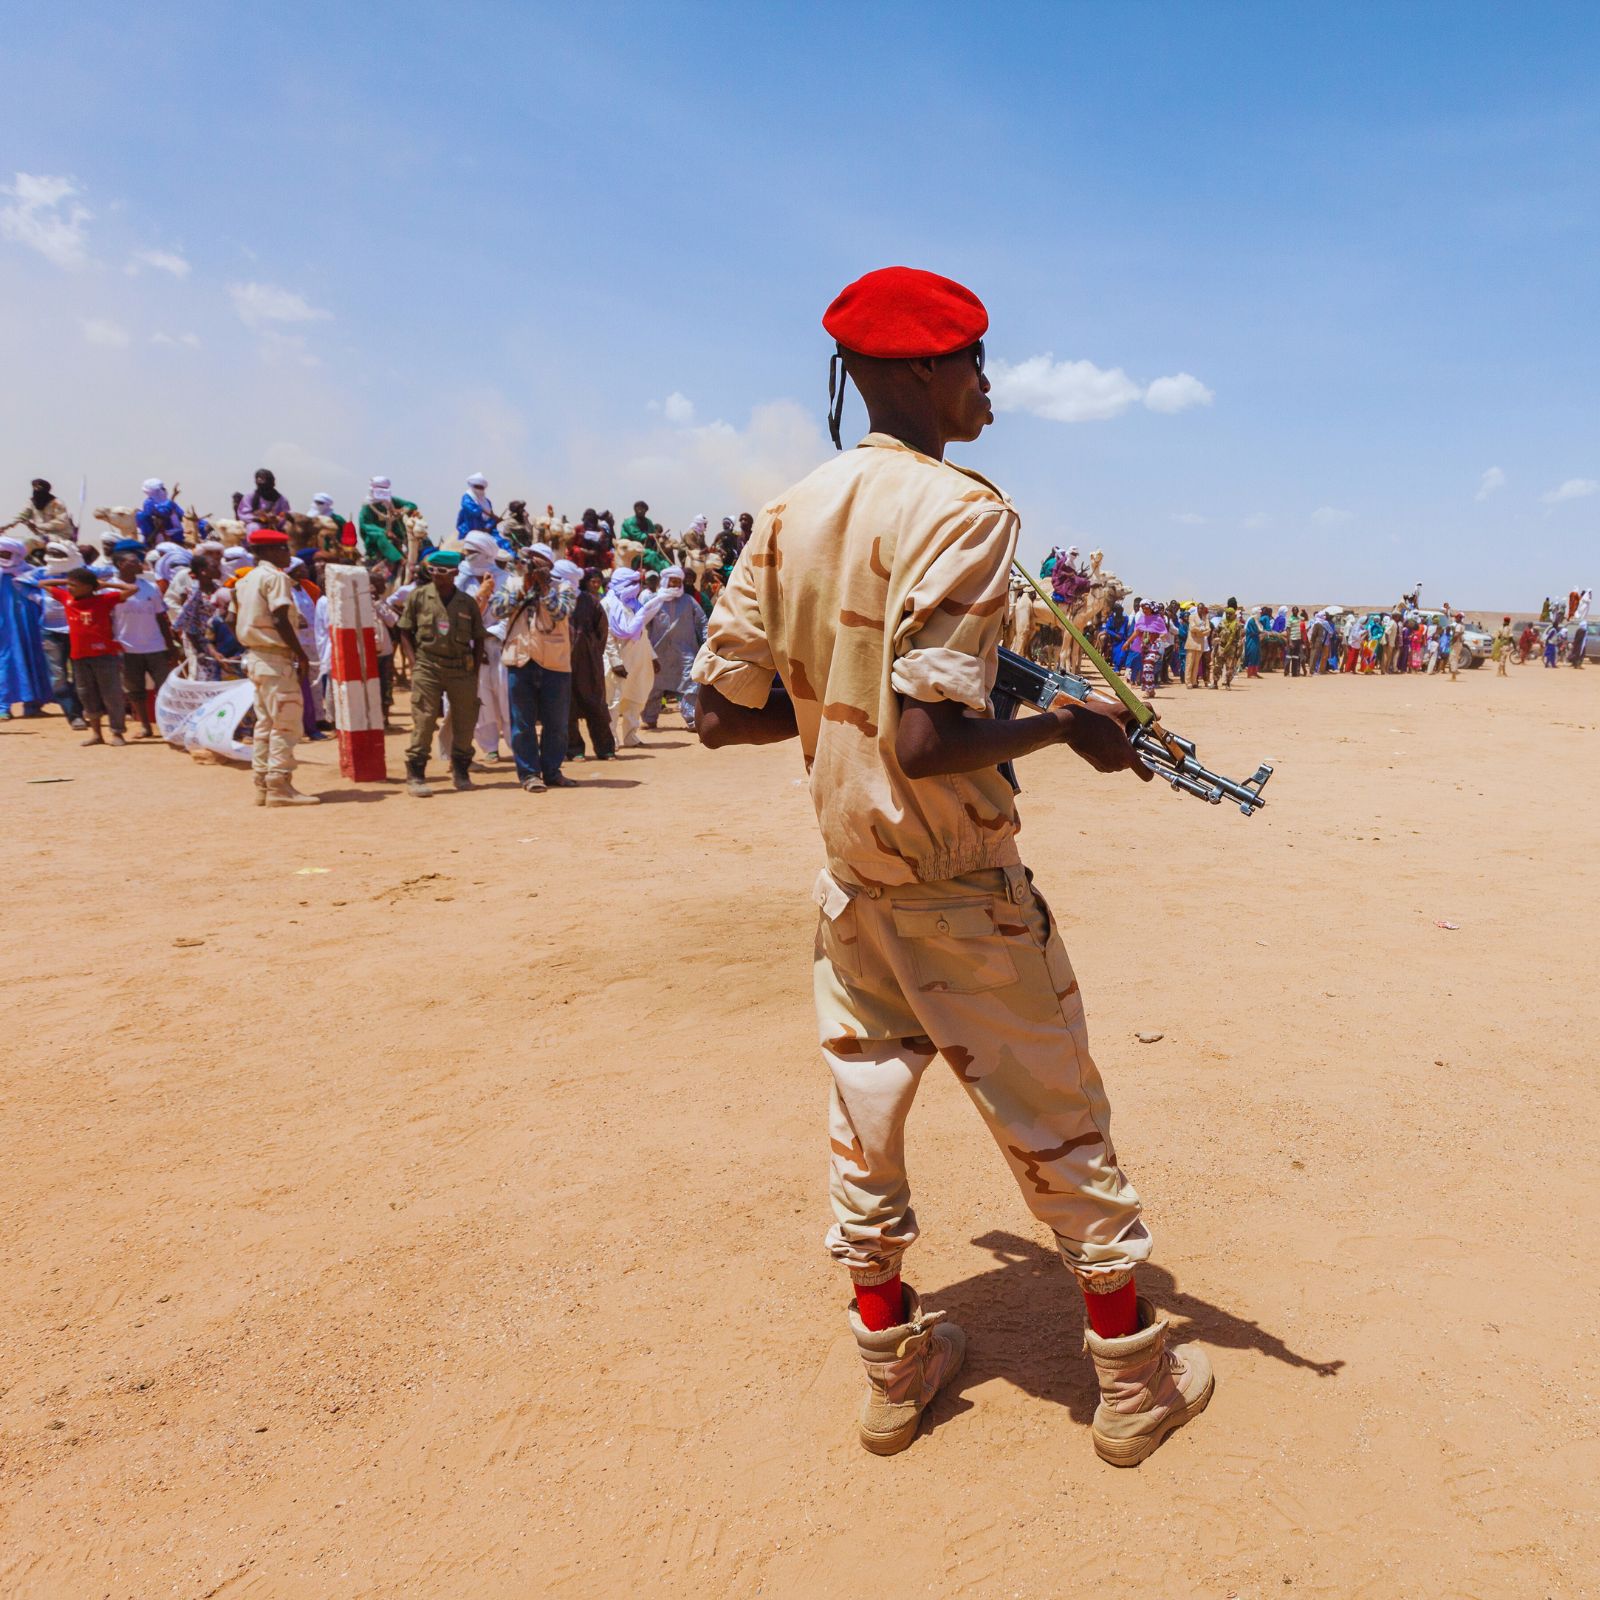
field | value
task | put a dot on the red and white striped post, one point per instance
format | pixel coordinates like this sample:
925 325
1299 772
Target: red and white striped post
353 674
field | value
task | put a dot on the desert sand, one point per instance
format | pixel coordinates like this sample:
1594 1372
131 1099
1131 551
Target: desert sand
426 1199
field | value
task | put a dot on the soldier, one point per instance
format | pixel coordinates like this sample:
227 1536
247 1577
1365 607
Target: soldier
276 664
446 630
875 589
1229 643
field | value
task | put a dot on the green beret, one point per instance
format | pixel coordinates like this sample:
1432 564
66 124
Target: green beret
448 559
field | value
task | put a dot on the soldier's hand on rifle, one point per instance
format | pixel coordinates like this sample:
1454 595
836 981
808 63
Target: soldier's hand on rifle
1098 731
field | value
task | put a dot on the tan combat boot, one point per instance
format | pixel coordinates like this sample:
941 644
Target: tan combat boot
282 792
261 788
906 1367
1146 1390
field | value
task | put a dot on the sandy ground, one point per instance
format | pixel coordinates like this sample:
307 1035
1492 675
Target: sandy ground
408 1198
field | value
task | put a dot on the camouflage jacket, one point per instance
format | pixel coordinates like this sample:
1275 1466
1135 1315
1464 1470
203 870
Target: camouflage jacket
882 574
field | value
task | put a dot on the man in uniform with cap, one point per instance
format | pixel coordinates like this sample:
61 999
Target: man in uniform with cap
276 664
447 633
875 590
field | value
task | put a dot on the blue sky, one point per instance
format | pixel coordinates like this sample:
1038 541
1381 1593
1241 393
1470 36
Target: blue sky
585 249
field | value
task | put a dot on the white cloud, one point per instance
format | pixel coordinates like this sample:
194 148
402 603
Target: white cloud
712 467
1190 519
1330 516
159 261
1493 479
1062 391
678 409
40 217
260 303
1572 489
190 340
97 330
1177 393
1079 391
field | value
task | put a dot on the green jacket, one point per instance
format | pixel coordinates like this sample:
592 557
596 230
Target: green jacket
449 634
376 524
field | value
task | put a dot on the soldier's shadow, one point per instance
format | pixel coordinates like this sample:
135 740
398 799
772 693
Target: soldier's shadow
1024 1323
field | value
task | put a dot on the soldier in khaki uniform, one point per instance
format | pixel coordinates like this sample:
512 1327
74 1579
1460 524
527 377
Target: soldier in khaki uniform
875 590
447 632
276 664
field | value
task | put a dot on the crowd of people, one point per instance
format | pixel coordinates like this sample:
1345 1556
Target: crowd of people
537 639
1153 643
526 637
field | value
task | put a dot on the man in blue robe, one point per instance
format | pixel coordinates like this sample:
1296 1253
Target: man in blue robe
24 671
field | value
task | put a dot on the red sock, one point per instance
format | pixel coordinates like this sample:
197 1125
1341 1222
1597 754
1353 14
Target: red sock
1114 1315
881 1305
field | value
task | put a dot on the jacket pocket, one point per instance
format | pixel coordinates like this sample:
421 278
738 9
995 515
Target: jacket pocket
955 946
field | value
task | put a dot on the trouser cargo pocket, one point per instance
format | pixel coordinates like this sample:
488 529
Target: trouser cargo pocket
955 946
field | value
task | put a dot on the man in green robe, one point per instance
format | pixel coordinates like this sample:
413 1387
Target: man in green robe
382 524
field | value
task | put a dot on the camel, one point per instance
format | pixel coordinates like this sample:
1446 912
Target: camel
123 518
1031 628
416 537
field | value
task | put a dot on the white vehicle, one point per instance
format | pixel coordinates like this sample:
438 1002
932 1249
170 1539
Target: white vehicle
1480 645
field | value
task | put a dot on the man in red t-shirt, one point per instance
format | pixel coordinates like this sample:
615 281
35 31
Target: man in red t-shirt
96 671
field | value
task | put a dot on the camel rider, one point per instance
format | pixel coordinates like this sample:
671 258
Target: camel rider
264 507
330 529
640 528
516 528
381 523
477 513
160 517
43 518
875 589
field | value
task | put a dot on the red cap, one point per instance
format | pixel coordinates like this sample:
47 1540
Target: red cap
899 313
266 536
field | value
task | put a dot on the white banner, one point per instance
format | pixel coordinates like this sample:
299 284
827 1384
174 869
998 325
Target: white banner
205 716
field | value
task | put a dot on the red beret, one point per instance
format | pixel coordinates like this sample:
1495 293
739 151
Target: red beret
898 313
266 536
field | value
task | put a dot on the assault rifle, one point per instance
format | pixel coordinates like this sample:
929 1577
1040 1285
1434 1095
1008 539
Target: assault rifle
1022 682
1170 757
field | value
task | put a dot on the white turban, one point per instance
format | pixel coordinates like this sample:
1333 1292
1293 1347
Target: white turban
153 486
477 481
545 551
672 575
480 549
60 557
235 558
13 557
568 572
380 489
699 523
322 504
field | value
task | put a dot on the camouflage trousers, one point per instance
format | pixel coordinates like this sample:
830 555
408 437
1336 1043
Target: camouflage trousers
972 970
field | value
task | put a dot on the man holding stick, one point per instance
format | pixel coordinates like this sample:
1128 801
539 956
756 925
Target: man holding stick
876 591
